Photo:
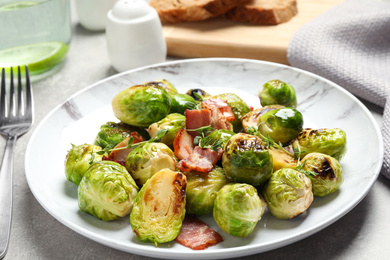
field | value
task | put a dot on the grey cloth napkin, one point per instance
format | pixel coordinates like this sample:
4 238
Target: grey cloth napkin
350 45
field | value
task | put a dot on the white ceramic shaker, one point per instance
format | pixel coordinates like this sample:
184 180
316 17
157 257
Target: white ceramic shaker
92 14
134 35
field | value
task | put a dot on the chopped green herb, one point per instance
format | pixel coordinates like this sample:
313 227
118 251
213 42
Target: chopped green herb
307 173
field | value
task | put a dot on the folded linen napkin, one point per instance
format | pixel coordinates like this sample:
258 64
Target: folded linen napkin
350 45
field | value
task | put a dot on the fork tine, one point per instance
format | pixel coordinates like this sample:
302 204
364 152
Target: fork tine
2 95
29 100
11 95
19 102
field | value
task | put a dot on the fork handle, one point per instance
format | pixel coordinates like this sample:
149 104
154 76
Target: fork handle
6 179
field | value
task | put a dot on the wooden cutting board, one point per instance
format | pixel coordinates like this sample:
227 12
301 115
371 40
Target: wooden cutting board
221 37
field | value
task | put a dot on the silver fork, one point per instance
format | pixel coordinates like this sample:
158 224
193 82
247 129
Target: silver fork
16 117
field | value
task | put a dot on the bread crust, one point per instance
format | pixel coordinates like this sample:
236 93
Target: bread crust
264 12
175 11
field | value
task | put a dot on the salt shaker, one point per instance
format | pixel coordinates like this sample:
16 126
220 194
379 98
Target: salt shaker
134 35
92 13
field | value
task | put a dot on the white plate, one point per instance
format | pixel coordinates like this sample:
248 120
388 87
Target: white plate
323 104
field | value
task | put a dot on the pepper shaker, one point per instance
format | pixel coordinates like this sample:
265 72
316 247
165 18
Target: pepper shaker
134 35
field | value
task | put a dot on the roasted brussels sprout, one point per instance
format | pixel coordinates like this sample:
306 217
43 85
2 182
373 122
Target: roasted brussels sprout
249 120
142 105
146 160
238 208
239 108
282 125
327 174
221 134
198 94
181 102
172 123
247 159
288 193
276 92
112 133
165 84
78 160
107 191
159 207
332 142
202 189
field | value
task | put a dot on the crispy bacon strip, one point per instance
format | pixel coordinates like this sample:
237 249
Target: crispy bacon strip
197 118
196 235
222 106
212 116
183 144
218 120
120 156
201 160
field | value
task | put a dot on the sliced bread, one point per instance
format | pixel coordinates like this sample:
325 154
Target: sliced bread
175 11
264 12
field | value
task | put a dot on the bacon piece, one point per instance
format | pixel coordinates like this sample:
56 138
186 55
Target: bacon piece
222 106
209 154
120 156
212 116
197 118
105 158
201 160
218 121
183 144
196 235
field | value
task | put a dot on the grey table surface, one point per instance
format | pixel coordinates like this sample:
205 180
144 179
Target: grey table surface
363 233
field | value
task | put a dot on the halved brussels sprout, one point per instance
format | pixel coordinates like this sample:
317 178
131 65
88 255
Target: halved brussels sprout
282 159
276 92
181 102
247 159
329 174
159 207
332 142
79 159
239 108
202 189
165 84
282 125
238 208
107 191
142 105
146 160
172 123
288 193
112 133
249 120
198 94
